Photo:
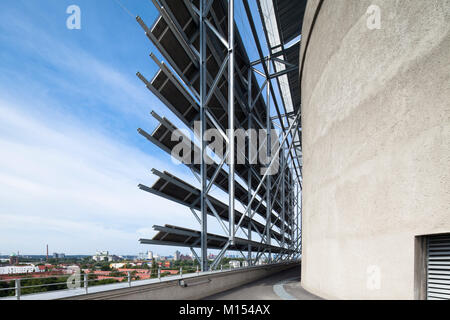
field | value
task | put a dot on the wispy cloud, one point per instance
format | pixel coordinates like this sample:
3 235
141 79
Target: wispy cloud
75 183
70 157
60 66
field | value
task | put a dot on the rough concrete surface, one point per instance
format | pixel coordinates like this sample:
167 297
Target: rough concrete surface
376 136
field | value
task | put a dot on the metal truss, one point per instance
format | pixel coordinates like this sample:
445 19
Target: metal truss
243 105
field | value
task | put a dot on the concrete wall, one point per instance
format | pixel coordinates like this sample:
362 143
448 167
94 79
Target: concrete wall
198 287
376 136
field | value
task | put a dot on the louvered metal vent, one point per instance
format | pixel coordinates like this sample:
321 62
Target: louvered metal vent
438 267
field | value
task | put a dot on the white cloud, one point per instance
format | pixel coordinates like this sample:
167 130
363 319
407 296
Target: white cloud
57 185
64 179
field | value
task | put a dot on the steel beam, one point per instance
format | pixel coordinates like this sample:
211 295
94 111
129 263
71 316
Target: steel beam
231 127
203 166
269 156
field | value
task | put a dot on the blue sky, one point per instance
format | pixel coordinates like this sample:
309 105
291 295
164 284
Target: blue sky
70 105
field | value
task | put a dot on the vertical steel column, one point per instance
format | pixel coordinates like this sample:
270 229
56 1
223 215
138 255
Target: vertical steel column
249 181
297 246
289 211
283 200
269 153
203 95
231 128
292 210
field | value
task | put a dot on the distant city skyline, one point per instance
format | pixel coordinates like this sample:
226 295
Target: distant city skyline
68 255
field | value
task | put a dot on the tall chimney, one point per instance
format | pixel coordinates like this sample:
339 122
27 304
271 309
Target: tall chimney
47 253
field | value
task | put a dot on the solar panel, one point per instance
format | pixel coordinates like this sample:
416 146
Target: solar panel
292 55
175 34
290 17
175 189
173 50
166 86
162 137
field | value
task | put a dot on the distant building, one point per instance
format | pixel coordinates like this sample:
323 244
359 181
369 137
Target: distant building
42 268
59 255
117 265
145 255
165 264
185 258
105 256
176 257
13 259
20 269
141 256
235 264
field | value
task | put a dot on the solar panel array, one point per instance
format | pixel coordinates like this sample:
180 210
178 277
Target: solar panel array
182 237
175 33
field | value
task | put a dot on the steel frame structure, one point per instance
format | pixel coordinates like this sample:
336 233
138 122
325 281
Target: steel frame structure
279 193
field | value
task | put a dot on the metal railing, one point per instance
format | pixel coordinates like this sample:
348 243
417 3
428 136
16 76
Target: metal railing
18 287
84 283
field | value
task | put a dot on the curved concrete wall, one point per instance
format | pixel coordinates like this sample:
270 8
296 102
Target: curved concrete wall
376 136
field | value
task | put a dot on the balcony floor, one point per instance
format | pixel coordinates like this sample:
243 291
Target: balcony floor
280 286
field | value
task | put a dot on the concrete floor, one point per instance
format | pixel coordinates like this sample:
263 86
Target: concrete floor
280 286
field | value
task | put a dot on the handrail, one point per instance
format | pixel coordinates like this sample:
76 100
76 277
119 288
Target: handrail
84 283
